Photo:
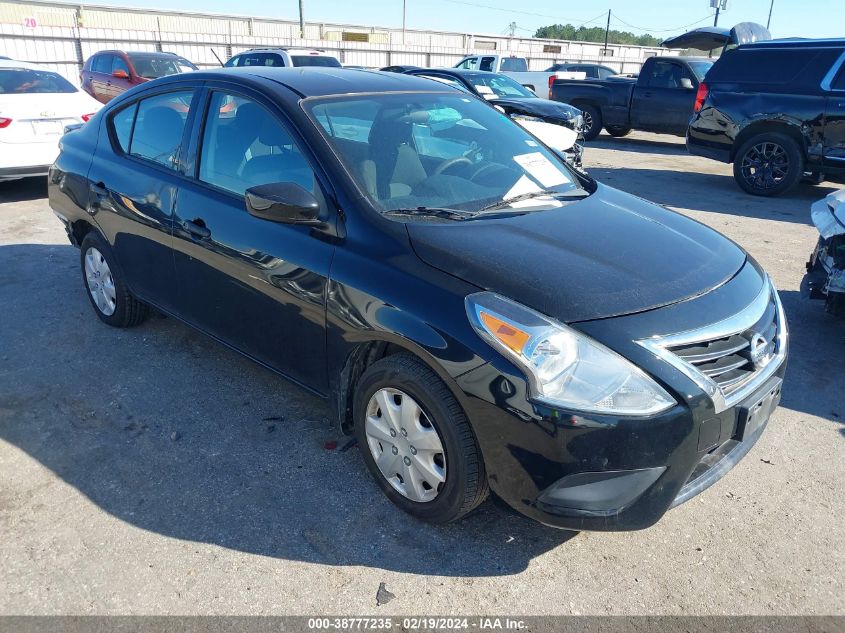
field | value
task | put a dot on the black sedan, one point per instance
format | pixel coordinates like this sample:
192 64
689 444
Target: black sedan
480 315
517 101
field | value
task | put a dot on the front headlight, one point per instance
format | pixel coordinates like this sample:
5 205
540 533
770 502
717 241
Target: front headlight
564 367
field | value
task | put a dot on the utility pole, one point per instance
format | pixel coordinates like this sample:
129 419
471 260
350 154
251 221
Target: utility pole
301 21
715 21
769 21
404 8
606 33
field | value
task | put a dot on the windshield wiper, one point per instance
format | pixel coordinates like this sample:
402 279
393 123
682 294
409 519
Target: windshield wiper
433 212
551 193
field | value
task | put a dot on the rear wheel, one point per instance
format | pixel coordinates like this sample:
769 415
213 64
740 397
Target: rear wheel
107 291
592 121
417 442
617 131
768 164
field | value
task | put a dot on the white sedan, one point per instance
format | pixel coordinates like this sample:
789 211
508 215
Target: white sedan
35 107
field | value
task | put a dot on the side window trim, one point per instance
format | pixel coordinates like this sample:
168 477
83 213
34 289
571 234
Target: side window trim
180 154
194 157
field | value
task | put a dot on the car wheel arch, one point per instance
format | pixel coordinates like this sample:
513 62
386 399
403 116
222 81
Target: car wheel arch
766 126
366 353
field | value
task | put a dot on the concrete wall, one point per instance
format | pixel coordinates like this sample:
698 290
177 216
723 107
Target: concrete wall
62 35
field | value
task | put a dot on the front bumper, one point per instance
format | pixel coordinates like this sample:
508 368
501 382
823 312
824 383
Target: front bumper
586 472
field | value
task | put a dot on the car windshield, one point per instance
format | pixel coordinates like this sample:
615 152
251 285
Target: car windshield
315 60
494 85
26 81
151 67
439 151
700 67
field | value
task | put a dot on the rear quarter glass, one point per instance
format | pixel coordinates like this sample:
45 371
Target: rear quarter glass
796 67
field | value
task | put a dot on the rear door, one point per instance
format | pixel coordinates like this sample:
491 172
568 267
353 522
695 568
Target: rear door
134 178
663 100
834 128
257 285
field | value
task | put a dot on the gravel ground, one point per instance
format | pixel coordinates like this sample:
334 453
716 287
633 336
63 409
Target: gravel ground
152 471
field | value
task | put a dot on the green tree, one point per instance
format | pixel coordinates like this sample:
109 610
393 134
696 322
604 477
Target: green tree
594 34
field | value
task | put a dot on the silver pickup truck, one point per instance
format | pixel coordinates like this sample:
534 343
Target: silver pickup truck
538 81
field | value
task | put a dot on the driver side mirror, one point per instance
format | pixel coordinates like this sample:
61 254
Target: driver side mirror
686 83
120 74
283 202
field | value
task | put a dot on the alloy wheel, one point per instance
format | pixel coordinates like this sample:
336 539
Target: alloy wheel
100 282
405 445
588 122
765 165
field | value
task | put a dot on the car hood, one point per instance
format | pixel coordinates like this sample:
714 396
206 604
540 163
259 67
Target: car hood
537 107
606 255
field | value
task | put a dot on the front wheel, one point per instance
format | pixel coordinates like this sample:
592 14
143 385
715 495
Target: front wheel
768 164
592 121
417 442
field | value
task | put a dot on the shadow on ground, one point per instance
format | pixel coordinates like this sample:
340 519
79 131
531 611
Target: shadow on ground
172 433
23 190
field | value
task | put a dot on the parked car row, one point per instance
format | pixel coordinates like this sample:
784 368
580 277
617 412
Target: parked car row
775 109
480 315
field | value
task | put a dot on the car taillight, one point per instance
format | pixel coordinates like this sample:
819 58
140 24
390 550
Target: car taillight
700 96
87 117
551 83
4 122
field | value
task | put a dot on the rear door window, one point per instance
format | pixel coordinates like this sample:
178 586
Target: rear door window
159 127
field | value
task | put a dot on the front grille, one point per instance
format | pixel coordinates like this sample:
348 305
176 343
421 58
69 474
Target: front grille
731 361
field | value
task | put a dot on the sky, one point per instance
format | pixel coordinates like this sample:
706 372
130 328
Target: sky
662 18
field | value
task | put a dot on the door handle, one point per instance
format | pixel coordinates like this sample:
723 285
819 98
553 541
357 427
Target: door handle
197 228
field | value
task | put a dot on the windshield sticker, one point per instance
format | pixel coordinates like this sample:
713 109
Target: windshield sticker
530 143
539 167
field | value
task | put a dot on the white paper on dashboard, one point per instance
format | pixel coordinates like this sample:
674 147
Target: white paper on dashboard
523 186
541 168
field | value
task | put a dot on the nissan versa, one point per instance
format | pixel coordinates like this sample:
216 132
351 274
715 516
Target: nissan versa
480 316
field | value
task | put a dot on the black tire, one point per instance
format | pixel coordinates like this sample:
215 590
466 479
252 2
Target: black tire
617 131
768 164
128 311
592 121
465 486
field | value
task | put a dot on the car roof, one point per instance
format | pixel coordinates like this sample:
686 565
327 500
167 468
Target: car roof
323 81
137 53
797 42
283 49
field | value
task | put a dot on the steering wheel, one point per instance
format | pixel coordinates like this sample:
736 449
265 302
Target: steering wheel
485 168
449 163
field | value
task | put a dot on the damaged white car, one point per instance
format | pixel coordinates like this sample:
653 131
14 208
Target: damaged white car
825 277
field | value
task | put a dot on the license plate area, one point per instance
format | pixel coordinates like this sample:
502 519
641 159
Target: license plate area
48 128
753 417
